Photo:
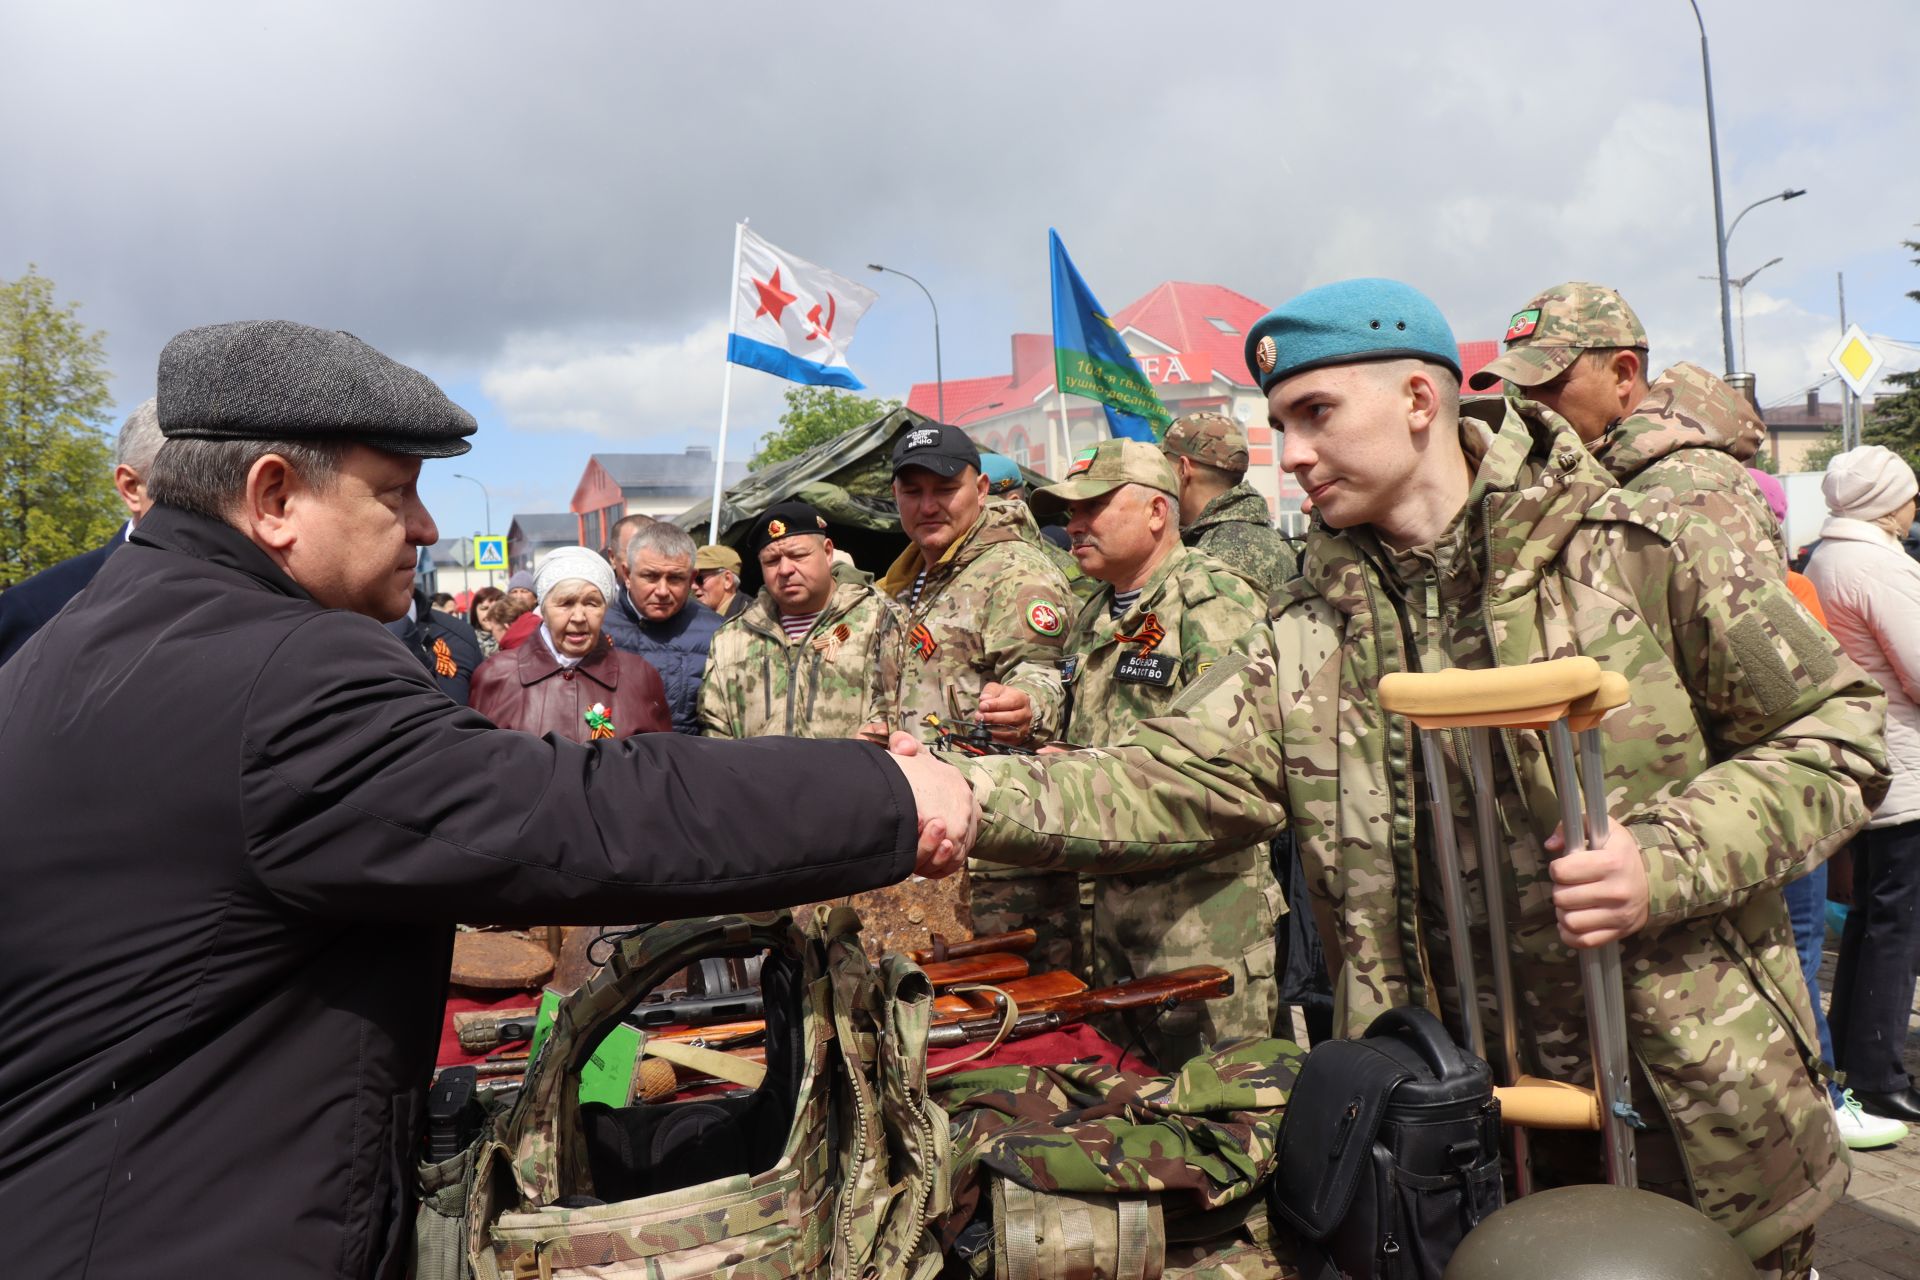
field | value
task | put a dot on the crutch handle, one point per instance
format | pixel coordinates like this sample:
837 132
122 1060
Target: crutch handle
1533 1103
1525 697
1612 691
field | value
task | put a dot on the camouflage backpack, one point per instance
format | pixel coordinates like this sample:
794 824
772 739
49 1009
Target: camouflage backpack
1085 1172
833 1165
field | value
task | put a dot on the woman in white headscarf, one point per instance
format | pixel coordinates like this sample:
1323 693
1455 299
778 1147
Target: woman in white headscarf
568 679
1870 589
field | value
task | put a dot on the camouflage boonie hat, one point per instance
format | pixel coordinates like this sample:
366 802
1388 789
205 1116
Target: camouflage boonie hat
1547 335
1104 468
1212 438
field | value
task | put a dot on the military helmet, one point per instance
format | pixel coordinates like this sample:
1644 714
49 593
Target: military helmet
1598 1233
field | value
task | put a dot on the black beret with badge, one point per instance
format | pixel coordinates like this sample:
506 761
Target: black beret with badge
277 380
784 520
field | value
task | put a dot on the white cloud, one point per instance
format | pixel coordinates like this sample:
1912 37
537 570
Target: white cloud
625 390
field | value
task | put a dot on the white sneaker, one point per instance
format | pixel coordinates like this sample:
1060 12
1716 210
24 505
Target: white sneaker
1862 1131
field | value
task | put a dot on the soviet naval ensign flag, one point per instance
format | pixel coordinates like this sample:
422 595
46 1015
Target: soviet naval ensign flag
793 319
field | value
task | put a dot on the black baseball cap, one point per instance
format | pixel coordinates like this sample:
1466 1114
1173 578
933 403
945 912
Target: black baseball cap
943 450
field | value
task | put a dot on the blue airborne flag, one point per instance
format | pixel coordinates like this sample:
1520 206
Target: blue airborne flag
1090 360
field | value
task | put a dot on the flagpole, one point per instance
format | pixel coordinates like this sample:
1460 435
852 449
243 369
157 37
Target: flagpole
1066 440
726 386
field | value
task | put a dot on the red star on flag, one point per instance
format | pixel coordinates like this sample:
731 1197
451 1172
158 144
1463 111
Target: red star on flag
773 299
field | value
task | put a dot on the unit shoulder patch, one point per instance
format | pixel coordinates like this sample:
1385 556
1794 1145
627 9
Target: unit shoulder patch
1044 618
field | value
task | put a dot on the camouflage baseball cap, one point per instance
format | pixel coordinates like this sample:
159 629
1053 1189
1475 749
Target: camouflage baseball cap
1104 468
1212 438
1547 335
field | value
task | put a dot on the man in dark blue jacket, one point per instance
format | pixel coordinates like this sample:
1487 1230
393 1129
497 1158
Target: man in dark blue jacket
658 618
31 603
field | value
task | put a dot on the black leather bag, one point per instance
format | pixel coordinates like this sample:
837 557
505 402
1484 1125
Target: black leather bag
1390 1152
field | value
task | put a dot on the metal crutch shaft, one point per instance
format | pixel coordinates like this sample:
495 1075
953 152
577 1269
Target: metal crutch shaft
1600 984
1486 831
1452 891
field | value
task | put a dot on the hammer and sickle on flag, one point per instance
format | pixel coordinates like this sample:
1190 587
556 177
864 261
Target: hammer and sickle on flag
794 319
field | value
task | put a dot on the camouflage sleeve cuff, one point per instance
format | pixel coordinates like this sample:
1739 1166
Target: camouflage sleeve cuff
1668 882
1000 839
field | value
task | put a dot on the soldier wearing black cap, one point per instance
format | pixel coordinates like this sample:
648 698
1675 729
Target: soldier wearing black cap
812 656
986 616
242 819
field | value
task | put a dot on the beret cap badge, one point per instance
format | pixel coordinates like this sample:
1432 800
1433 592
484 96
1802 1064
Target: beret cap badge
1267 354
776 528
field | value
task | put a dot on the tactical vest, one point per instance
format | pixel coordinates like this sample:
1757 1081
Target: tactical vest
833 1165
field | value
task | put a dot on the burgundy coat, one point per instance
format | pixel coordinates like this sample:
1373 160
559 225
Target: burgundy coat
528 690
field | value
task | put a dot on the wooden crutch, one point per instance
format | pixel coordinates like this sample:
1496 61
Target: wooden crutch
1556 697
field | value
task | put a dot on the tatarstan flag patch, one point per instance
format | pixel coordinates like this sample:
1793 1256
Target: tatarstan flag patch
1523 324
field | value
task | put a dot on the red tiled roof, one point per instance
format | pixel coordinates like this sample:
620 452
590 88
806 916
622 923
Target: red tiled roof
1182 314
1475 356
1176 313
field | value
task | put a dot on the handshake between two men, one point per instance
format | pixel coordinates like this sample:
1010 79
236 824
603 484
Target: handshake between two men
949 816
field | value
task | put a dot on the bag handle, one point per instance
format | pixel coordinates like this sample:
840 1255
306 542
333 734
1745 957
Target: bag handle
1419 1030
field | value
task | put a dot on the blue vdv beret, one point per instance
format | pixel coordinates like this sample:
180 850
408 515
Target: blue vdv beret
1350 322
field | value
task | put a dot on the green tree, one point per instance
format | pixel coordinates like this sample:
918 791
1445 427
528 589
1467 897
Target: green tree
814 414
56 487
1894 420
1821 454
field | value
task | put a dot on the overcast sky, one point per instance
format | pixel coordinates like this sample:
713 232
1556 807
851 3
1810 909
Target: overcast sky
535 203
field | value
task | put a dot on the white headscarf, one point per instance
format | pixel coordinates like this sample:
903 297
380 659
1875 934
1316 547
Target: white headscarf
568 563
1868 482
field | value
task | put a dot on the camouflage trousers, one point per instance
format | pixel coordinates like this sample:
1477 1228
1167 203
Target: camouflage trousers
1220 912
1051 903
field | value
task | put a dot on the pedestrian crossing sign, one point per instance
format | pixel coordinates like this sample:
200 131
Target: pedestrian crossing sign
489 551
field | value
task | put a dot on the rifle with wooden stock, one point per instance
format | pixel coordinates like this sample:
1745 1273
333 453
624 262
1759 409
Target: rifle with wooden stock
488 1029
1156 991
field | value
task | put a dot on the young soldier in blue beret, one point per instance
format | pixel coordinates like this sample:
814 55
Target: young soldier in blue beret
1477 535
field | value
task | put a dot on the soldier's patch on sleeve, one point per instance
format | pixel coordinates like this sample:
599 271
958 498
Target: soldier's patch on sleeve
1044 618
1522 325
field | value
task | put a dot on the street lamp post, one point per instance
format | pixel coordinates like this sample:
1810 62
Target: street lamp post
939 378
487 498
1719 209
979 408
1740 292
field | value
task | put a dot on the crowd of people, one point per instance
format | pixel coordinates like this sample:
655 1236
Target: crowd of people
1170 703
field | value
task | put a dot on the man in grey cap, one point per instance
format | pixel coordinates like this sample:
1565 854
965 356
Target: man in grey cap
1220 513
242 821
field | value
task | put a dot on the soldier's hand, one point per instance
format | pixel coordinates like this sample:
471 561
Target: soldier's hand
949 818
1600 895
1009 711
874 731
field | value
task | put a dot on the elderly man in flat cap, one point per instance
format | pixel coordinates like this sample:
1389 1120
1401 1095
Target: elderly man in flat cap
1482 535
242 821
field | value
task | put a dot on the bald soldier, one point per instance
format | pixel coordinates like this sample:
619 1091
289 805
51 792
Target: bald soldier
1485 535
1164 614
1220 513
1687 437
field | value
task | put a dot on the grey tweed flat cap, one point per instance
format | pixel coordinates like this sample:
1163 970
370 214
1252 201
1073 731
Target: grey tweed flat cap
277 380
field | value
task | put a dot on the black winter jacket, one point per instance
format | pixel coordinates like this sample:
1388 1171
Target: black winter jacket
238 830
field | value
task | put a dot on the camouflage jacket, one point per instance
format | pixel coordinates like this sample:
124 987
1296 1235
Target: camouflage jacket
1752 750
1237 530
826 685
1689 443
1191 611
993 609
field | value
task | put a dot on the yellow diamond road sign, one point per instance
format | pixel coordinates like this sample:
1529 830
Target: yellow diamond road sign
1856 360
